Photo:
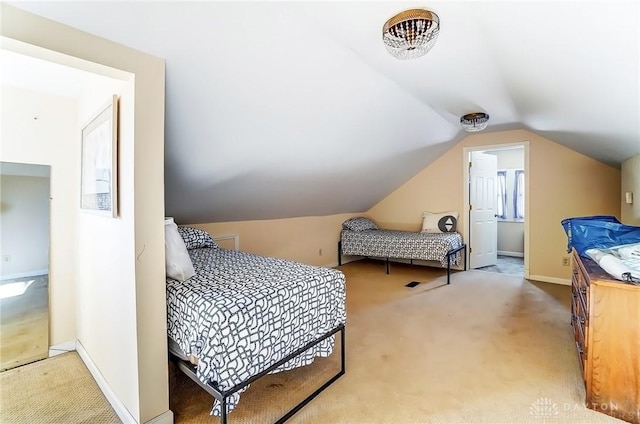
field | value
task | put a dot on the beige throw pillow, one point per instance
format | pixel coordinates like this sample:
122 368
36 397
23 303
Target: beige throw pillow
439 222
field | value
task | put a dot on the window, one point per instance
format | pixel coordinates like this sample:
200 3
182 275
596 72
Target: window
510 194
502 194
518 195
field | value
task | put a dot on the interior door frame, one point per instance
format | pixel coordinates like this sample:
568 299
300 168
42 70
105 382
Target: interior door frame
466 151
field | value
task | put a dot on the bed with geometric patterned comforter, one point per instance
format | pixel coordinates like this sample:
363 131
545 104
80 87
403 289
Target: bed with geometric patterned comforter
242 313
446 248
401 245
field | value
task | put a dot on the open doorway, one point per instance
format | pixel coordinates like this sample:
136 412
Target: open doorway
496 193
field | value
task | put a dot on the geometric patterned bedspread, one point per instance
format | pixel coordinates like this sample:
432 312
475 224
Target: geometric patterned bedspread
242 313
402 245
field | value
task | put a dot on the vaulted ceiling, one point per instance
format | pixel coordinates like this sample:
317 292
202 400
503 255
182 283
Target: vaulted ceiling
284 109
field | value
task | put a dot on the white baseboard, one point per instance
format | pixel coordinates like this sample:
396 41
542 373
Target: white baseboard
62 348
166 418
514 254
25 274
553 280
118 406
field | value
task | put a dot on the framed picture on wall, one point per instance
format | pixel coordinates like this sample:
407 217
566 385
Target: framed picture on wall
99 168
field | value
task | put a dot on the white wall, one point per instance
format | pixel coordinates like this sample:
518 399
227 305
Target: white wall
129 248
511 238
24 225
630 213
106 257
47 141
512 158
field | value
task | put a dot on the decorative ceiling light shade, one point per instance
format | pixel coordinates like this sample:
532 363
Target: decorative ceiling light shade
411 33
474 122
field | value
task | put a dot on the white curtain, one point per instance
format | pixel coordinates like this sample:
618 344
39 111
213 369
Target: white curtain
518 195
502 194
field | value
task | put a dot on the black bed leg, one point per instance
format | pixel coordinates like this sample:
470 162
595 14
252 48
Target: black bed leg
387 266
342 346
465 258
448 269
223 414
340 253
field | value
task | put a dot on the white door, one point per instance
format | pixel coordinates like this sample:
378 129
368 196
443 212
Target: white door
483 228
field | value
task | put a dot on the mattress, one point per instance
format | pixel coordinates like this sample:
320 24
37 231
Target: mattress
241 313
402 245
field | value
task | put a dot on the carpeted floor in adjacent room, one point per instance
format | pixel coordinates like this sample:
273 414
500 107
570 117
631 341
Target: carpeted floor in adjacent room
488 348
58 390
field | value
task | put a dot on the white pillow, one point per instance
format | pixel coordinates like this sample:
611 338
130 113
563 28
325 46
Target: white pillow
440 222
177 260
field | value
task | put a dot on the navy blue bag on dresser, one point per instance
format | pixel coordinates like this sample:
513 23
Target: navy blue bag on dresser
598 232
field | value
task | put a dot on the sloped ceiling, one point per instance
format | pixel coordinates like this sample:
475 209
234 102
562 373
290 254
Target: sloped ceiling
285 109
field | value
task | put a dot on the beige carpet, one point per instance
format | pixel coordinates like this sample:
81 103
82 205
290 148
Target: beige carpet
489 348
57 390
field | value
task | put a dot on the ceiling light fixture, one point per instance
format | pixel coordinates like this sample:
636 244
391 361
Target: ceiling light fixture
474 122
411 33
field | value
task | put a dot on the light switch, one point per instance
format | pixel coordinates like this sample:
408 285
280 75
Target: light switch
628 197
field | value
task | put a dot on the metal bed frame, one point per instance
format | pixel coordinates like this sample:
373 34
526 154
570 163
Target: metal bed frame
450 254
221 395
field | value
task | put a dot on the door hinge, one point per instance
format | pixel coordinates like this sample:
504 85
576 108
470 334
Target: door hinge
470 207
470 249
470 164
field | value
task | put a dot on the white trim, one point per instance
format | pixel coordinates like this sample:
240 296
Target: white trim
62 348
234 237
117 405
26 274
514 254
165 418
553 280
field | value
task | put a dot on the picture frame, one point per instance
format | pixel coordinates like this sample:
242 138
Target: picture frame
99 162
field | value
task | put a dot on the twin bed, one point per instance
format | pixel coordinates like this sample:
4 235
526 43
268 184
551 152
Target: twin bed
361 237
242 316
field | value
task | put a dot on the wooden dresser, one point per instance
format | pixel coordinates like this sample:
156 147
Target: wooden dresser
605 314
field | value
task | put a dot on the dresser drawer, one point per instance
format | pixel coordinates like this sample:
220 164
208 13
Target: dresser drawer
579 323
582 358
580 283
580 318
